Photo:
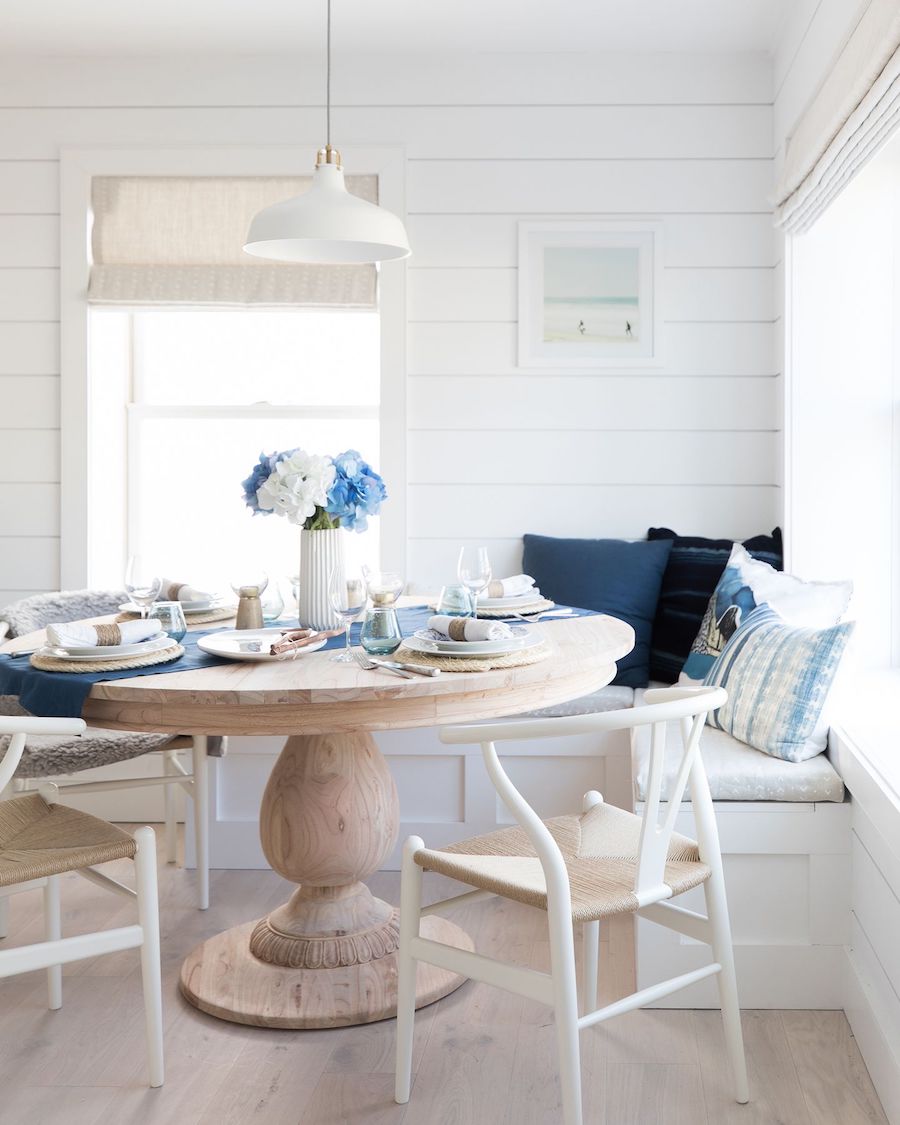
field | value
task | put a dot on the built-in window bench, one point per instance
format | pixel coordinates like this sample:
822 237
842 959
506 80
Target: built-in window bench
785 834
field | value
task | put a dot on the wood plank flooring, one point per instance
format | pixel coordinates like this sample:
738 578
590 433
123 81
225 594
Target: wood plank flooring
482 1057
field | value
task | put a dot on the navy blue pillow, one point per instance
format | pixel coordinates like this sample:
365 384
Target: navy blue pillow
609 575
692 573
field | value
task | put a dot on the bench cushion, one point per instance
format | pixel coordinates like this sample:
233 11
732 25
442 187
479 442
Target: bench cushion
736 771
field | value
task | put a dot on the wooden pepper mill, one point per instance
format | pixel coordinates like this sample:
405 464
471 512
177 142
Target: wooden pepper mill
249 611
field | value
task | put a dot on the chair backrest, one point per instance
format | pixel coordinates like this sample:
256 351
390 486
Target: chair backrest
19 727
38 611
687 706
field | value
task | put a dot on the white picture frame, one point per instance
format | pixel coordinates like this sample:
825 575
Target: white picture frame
590 294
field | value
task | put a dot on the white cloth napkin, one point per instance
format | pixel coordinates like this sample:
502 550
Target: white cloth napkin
468 628
512 587
80 634
170 591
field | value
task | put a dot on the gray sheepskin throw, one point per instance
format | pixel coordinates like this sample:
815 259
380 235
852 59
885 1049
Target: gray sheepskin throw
33 613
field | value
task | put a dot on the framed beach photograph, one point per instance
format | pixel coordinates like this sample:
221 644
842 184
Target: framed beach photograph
589 294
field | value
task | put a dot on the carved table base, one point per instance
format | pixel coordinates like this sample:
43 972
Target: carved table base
327 957
223 978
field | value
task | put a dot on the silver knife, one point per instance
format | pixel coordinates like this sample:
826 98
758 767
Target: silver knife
397 666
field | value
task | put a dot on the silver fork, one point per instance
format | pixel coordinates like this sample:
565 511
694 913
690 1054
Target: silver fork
541 616
370 665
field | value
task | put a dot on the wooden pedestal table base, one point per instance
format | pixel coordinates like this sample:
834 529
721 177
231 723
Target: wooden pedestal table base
327 958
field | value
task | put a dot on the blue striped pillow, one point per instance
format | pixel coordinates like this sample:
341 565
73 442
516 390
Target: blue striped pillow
778 677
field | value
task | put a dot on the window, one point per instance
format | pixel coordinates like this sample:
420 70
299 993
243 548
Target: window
183 401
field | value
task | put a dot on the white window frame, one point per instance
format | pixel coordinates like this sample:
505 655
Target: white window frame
77 168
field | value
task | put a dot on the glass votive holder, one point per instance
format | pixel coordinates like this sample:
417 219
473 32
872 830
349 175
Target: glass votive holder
455 601
272 602
384 586
171 617
380 633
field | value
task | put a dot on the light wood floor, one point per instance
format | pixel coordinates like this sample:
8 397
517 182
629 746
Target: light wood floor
483 1057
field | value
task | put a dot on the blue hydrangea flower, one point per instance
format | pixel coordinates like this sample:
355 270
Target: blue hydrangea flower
357 492
261 473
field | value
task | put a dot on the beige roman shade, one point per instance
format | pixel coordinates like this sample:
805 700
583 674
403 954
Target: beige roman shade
856 110
178 240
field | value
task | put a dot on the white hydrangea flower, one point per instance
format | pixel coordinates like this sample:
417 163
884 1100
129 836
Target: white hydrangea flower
299 485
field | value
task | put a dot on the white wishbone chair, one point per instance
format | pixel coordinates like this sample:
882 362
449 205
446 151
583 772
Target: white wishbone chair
580 869
39 841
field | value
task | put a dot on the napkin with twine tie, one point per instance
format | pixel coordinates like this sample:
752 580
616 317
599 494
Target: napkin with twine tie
170 591
84 634
448 628
513 587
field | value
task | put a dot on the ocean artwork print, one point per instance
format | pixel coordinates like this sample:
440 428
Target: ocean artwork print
591 294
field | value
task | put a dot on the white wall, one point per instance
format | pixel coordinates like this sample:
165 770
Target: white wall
489 141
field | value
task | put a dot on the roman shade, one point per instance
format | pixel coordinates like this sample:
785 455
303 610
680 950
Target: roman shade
178 240
856 110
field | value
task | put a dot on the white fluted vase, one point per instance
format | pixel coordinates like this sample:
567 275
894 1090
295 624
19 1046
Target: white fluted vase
320 553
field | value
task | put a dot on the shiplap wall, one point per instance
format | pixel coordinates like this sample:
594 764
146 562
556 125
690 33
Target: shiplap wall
489 140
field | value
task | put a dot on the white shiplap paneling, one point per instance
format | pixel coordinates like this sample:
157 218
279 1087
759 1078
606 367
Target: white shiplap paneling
604 402
695 348
29 402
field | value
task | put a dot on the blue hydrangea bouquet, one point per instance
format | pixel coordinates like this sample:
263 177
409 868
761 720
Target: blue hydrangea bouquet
317 493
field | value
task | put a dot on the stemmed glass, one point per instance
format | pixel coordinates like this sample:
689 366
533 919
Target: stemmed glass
142 584
474 571
347 594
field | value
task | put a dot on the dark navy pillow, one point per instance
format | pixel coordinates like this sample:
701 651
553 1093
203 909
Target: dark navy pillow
609 575
694 568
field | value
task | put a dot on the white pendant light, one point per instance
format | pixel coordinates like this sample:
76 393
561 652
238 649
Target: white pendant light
327 224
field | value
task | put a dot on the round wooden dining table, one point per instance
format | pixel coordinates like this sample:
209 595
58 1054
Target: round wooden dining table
329 815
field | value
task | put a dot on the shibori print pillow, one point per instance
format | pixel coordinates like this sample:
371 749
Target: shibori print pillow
746 583
778 678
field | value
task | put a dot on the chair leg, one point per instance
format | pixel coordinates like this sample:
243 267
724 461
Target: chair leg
590 938
590 933
4 917
200 793
565 1007
53 932
151 973
171 800
723 952
410 907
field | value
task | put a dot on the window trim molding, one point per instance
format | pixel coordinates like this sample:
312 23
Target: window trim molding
77 167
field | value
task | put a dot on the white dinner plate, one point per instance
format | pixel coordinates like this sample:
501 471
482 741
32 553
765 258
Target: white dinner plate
187 608
251 644
472 648
109 652
511 603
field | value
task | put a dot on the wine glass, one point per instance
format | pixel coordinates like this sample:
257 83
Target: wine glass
142 583
474 571
347 594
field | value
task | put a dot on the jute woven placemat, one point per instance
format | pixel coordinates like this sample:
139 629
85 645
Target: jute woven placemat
473 664
223 614
59 664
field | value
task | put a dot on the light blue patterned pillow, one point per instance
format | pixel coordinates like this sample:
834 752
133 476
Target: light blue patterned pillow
778 677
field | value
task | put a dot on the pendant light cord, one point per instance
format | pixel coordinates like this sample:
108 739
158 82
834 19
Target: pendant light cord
328 77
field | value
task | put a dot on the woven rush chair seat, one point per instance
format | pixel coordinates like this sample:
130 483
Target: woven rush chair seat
38 840
600 849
